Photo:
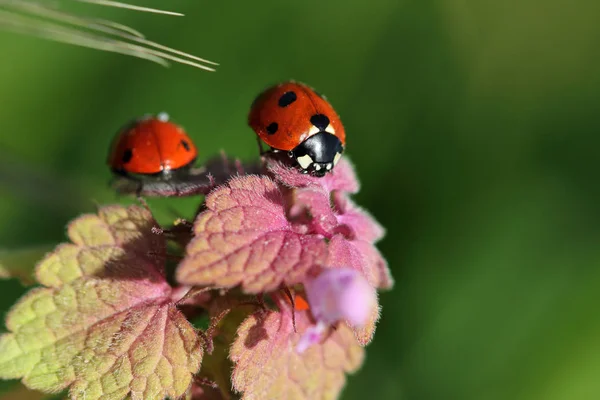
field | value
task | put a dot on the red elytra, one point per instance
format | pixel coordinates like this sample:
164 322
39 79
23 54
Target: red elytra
151 146
291 105
292 117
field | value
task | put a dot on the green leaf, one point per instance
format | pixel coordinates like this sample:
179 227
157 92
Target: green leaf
105 324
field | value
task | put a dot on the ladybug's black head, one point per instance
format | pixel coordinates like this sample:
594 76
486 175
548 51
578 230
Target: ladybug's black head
318 154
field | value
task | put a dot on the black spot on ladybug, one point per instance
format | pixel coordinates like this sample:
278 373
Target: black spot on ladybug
272 128
320 121
185 145
287 98
127 155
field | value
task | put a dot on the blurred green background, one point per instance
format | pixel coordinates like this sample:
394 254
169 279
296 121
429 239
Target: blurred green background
474 126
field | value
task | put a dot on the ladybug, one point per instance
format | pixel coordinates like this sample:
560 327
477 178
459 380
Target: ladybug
153 157
292 117
151 146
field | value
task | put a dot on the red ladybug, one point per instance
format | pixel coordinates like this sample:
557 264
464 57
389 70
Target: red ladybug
153 157
293 117
151 146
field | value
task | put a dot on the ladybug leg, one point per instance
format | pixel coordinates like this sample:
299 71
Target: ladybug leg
139 190
139 186
127 184
261 151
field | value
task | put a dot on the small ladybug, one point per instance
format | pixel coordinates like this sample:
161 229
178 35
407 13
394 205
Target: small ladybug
293 117
153 157
151 146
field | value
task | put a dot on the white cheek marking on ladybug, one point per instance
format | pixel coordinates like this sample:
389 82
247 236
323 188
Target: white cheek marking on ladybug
313 130
328 167
304 161
317 167
337 158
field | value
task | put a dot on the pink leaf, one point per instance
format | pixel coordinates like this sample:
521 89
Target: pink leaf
244 237
311 206
106 323
268 367
341 178
364 334
365 227
361 256
312 335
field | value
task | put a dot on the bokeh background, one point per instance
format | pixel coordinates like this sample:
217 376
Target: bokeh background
474 126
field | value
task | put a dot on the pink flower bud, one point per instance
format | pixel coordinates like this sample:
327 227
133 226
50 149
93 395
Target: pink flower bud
341 294
311 336
337 294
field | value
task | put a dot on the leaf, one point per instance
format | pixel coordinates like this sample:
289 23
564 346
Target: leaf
364 335
351 231
311 206
105 324
20 263
342 177
361 256
365 227
106 244
244 237
268 367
